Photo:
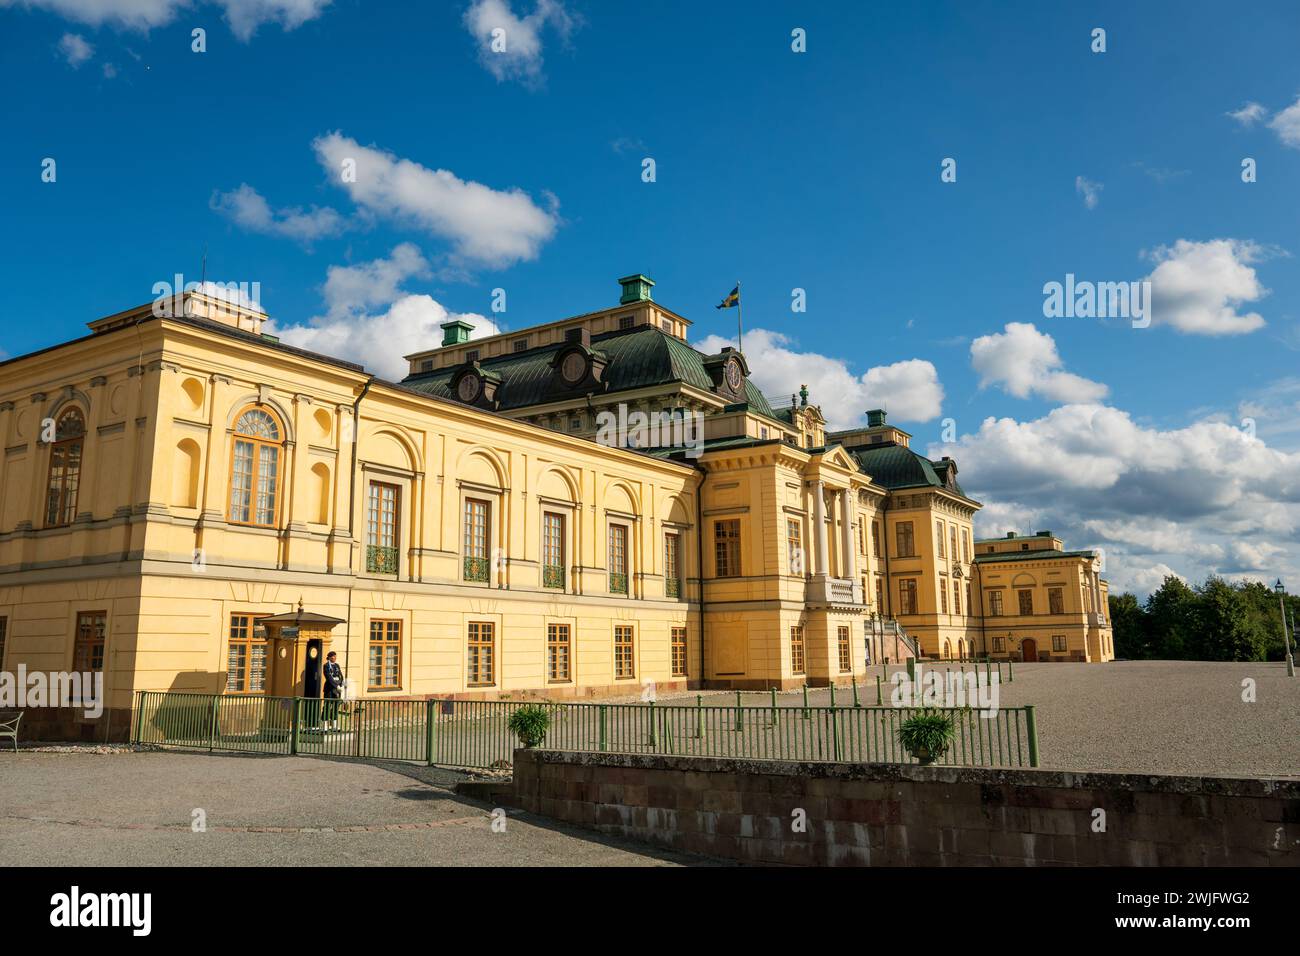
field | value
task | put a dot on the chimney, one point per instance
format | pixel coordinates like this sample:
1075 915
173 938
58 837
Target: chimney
636 288
455 332
875 418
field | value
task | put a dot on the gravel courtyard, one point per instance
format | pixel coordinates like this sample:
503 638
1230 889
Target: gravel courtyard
1176 717
136 809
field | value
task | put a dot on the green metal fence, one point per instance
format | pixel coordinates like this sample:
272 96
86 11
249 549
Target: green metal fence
473 733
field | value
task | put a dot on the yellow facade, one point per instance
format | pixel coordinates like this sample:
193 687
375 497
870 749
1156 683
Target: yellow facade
465 550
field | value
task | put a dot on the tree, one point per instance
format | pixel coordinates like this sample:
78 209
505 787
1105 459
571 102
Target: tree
1227 626
1129 627
1171 617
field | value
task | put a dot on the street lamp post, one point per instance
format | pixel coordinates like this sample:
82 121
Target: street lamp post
1286 636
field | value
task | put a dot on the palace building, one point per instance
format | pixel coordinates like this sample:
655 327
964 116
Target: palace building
189 504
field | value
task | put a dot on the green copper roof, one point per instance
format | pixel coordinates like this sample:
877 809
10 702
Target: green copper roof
896 467
638 358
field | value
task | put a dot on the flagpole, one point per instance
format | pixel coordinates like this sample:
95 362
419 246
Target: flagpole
740 325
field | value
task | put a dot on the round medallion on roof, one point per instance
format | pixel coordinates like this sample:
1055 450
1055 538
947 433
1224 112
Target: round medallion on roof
735 377
469 387
574 368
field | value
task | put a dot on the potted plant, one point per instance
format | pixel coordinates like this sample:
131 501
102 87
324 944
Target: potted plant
529 723
927 735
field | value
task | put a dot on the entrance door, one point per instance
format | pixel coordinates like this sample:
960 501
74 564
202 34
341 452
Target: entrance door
1029 649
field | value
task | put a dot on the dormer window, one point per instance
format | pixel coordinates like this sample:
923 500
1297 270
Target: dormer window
471 355
521 345
625 321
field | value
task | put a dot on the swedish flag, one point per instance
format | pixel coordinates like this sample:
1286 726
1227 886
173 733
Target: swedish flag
732 300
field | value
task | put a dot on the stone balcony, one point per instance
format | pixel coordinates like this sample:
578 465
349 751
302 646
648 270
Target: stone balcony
824 589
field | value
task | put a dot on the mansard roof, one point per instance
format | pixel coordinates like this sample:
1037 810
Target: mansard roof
896 467
637 358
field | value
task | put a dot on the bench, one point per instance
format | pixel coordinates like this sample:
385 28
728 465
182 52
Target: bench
9 727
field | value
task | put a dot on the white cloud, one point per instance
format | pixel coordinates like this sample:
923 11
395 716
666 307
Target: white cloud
510 47
1205 498
1249 114
247 208
75 49
372 320
1089 190
1198 287
486 226
908 390
1287 124
244 16
110 71
1024 361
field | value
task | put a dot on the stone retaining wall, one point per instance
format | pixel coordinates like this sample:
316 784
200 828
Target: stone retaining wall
899 815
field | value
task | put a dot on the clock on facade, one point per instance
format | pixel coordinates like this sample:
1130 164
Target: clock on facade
468 387
733 374
574 367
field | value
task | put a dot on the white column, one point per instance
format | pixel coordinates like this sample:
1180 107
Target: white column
819 527
848 564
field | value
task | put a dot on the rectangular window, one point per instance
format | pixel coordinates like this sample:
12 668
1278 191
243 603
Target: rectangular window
999 644
476 540
381 529
952 541
797 665
672 565
521 345
1058 642
906 543
625 321
875 539
794 545
471 355
726 548
481 671
1056 600
4 633
553 573
862 537
943 594
965 545
956 597
1026 599
245 657
938 539
995 603
88 653
624 652
907 596
846 653
558 666
880 596
679 651
385 656
618 559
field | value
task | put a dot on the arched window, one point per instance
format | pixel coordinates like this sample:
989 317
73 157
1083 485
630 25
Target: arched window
255 469
65 469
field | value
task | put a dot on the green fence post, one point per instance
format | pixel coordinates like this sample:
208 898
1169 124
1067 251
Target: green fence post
805 700
773 706
911 669
856 702
139 715
602 728
1031 731
740 715
699 716
212 725
1011 672
835 731
653 741
293 726
880 701
988 672
430 729
832 695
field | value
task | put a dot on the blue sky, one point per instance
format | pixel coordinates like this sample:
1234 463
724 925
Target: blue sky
817 171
